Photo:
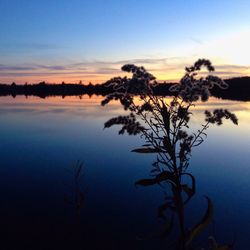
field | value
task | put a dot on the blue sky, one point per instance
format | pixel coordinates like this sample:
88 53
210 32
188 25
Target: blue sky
56 40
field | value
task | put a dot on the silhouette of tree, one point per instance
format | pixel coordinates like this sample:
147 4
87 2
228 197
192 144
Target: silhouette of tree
238 89
42 83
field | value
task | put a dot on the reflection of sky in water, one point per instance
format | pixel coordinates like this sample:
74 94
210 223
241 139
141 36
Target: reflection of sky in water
41 139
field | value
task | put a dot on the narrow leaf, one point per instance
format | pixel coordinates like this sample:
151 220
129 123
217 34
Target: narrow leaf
146 182
167 228
202 224
164 176
146 150
162 208
189 191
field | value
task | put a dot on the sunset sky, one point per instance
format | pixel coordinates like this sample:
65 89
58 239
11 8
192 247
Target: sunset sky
89 40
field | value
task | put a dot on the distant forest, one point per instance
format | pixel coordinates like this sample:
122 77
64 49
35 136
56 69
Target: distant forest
239 89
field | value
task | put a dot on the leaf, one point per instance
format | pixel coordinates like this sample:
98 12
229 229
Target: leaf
146 150
167 228
146 182
162 208
202 224
189 191
198 143
164 176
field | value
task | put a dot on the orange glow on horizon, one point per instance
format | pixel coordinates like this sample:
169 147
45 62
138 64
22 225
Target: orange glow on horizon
169 72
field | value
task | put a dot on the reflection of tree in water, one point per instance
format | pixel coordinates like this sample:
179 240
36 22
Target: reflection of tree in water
168 134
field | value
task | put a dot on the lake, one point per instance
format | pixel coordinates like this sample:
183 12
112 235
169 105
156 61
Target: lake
43 141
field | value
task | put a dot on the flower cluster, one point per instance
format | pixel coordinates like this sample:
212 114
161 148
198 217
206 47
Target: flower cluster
140 84
129 124
218 114
191 88
185 147
125 99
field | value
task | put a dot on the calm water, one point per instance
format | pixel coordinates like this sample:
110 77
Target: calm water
41 142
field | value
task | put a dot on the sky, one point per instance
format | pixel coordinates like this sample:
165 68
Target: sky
89 40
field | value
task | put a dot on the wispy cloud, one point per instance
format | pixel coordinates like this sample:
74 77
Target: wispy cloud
32 68
196 40
170 69
14 68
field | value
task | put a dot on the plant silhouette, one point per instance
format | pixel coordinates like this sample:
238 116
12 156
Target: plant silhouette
165 127
76 195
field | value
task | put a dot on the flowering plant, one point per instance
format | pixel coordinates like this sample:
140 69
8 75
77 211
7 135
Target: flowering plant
165 128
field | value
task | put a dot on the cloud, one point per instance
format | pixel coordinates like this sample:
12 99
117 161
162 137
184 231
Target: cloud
229 73
229 66
196 40
14 68
118 64
55 67
142 61
164 68
31 67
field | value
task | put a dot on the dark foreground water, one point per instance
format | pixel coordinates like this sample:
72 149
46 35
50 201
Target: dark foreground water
43 141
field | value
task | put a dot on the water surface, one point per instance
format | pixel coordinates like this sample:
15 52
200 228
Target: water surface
43 139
